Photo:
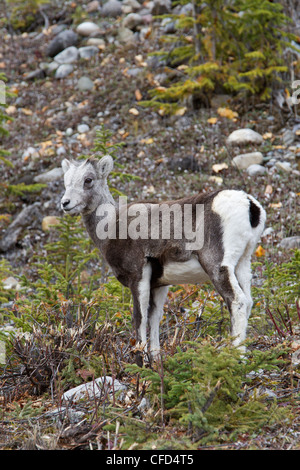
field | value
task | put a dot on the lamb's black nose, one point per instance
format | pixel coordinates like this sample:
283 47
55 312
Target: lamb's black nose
65 202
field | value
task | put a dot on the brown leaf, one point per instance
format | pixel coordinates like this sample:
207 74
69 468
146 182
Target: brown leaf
138 95
260 251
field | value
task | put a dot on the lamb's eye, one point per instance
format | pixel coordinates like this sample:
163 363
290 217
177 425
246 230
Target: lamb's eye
88 181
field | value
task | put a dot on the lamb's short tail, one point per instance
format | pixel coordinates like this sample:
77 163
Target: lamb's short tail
257 214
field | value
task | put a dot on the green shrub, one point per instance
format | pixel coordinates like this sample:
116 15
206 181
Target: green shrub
233 47
204 389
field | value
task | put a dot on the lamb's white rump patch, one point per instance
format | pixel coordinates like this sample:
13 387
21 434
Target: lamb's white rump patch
187 272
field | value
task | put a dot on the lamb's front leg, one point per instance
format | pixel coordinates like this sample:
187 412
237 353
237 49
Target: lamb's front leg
141 299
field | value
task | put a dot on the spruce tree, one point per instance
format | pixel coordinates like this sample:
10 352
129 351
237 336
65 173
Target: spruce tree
233 47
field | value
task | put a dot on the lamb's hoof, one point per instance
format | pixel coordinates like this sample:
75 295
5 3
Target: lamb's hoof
139 358
155 356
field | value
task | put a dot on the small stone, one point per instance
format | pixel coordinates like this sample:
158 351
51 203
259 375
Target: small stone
216 179
61 151
31 153
160 7
100 43
35 74
85 83
243 161
58 28
93 389
52 67
288 137
126 36
53 175
64 70
284 166
244 137
87 52
63 40
49 221
87 28
132 20
82 128
67 56
69 132
255 169
144 405
129 6
186 10
134 72
170 27
268 231
62 413
93 6
112 8
11 283
290 243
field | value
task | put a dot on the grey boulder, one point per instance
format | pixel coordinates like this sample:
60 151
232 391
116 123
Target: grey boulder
63 40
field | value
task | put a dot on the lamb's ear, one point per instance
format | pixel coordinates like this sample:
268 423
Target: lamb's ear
104 166
65 164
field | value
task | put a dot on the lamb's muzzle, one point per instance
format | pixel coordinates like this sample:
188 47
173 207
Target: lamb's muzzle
231 223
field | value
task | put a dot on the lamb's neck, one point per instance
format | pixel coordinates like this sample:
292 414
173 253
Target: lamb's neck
92 219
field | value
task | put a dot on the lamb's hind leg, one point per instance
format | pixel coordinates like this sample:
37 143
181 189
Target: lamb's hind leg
244 275
141 299
237 302
156 310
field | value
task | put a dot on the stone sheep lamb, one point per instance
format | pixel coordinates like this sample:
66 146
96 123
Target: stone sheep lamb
227 227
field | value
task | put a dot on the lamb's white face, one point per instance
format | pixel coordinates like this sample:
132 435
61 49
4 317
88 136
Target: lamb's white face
84 184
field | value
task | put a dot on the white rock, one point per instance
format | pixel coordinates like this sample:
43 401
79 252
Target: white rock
87 28
64 70
284 166
256 169
290 243
267 231
82 128
96 42
67 56
53 175
126 36
243 161
11 283
244 136
132 20
69 131
87 52
93 389
144 405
